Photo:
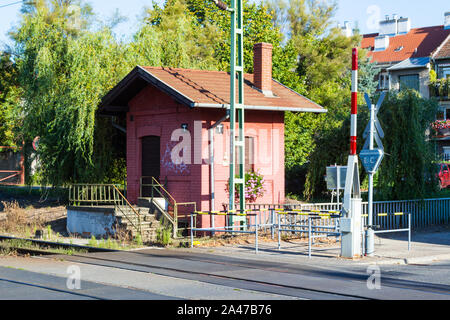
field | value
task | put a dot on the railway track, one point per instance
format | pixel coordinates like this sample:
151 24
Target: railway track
207 268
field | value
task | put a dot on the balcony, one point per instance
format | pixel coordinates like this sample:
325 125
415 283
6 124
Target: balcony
441 129
440 89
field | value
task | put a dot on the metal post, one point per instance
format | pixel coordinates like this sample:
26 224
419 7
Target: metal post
279 232
338 183
409 231
309 237
237 104
272 223
192 231
212 185
370 236
256 235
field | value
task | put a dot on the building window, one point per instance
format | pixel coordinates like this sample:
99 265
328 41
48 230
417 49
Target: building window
249 155
383 83
409 82
444 72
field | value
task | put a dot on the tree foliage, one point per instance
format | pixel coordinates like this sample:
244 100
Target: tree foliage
63 66
407 172
64 70
9 100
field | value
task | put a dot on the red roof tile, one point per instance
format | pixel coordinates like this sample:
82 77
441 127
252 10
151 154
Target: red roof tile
425 40
444 50
206 88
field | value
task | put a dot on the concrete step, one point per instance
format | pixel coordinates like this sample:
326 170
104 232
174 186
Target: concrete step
135 219
150 224
147 202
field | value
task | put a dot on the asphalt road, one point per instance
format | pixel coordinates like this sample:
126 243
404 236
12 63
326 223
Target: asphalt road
173 274
24 285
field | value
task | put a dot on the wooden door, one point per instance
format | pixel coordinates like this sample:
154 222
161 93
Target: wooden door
151 162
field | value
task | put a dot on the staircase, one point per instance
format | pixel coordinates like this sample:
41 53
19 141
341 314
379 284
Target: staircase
146 223
160 211
165 207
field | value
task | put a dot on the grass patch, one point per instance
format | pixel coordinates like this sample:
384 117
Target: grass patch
15 246
62 194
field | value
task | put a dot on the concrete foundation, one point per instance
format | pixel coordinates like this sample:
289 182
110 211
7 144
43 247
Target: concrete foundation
87 221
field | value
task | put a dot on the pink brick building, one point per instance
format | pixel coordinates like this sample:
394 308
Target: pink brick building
170 113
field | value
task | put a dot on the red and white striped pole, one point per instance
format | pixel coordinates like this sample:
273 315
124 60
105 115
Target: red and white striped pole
354 116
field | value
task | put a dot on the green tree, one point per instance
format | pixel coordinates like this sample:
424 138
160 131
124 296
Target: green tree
64 70
171 37
323 68
407 171
9 100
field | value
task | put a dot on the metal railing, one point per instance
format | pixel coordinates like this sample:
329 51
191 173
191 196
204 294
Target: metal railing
424 213
444 157
172 213
440 89
98 195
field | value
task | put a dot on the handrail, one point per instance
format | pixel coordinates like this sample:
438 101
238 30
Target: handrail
162 191
156 186
138 228
102 194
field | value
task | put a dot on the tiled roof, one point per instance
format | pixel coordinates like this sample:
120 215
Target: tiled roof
443 52
212 89
425 40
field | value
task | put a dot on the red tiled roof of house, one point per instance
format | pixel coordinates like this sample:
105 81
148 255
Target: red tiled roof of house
444 50
425 40
212 88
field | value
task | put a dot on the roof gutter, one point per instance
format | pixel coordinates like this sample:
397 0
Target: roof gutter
264 108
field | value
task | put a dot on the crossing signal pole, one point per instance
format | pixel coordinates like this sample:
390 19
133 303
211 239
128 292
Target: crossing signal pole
351 222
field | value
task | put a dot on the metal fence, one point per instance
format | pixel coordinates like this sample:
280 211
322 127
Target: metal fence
424 213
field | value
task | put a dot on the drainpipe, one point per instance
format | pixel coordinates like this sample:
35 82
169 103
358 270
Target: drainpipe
211 163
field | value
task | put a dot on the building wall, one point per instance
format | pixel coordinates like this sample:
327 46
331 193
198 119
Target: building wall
152 112
424 80
267 129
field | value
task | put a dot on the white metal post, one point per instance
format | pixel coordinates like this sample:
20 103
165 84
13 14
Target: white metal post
370 235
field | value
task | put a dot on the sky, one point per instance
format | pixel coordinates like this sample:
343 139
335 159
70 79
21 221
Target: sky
363 12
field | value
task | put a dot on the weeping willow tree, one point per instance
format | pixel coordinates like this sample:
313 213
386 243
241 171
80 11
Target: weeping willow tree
64 70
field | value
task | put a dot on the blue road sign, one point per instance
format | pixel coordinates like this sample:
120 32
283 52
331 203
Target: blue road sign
371 159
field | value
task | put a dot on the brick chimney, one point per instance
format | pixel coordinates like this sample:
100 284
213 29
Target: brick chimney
262 67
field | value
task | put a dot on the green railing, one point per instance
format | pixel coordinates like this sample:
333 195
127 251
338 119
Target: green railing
98 195
172 211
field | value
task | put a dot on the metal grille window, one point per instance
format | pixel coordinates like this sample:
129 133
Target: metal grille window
409 82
